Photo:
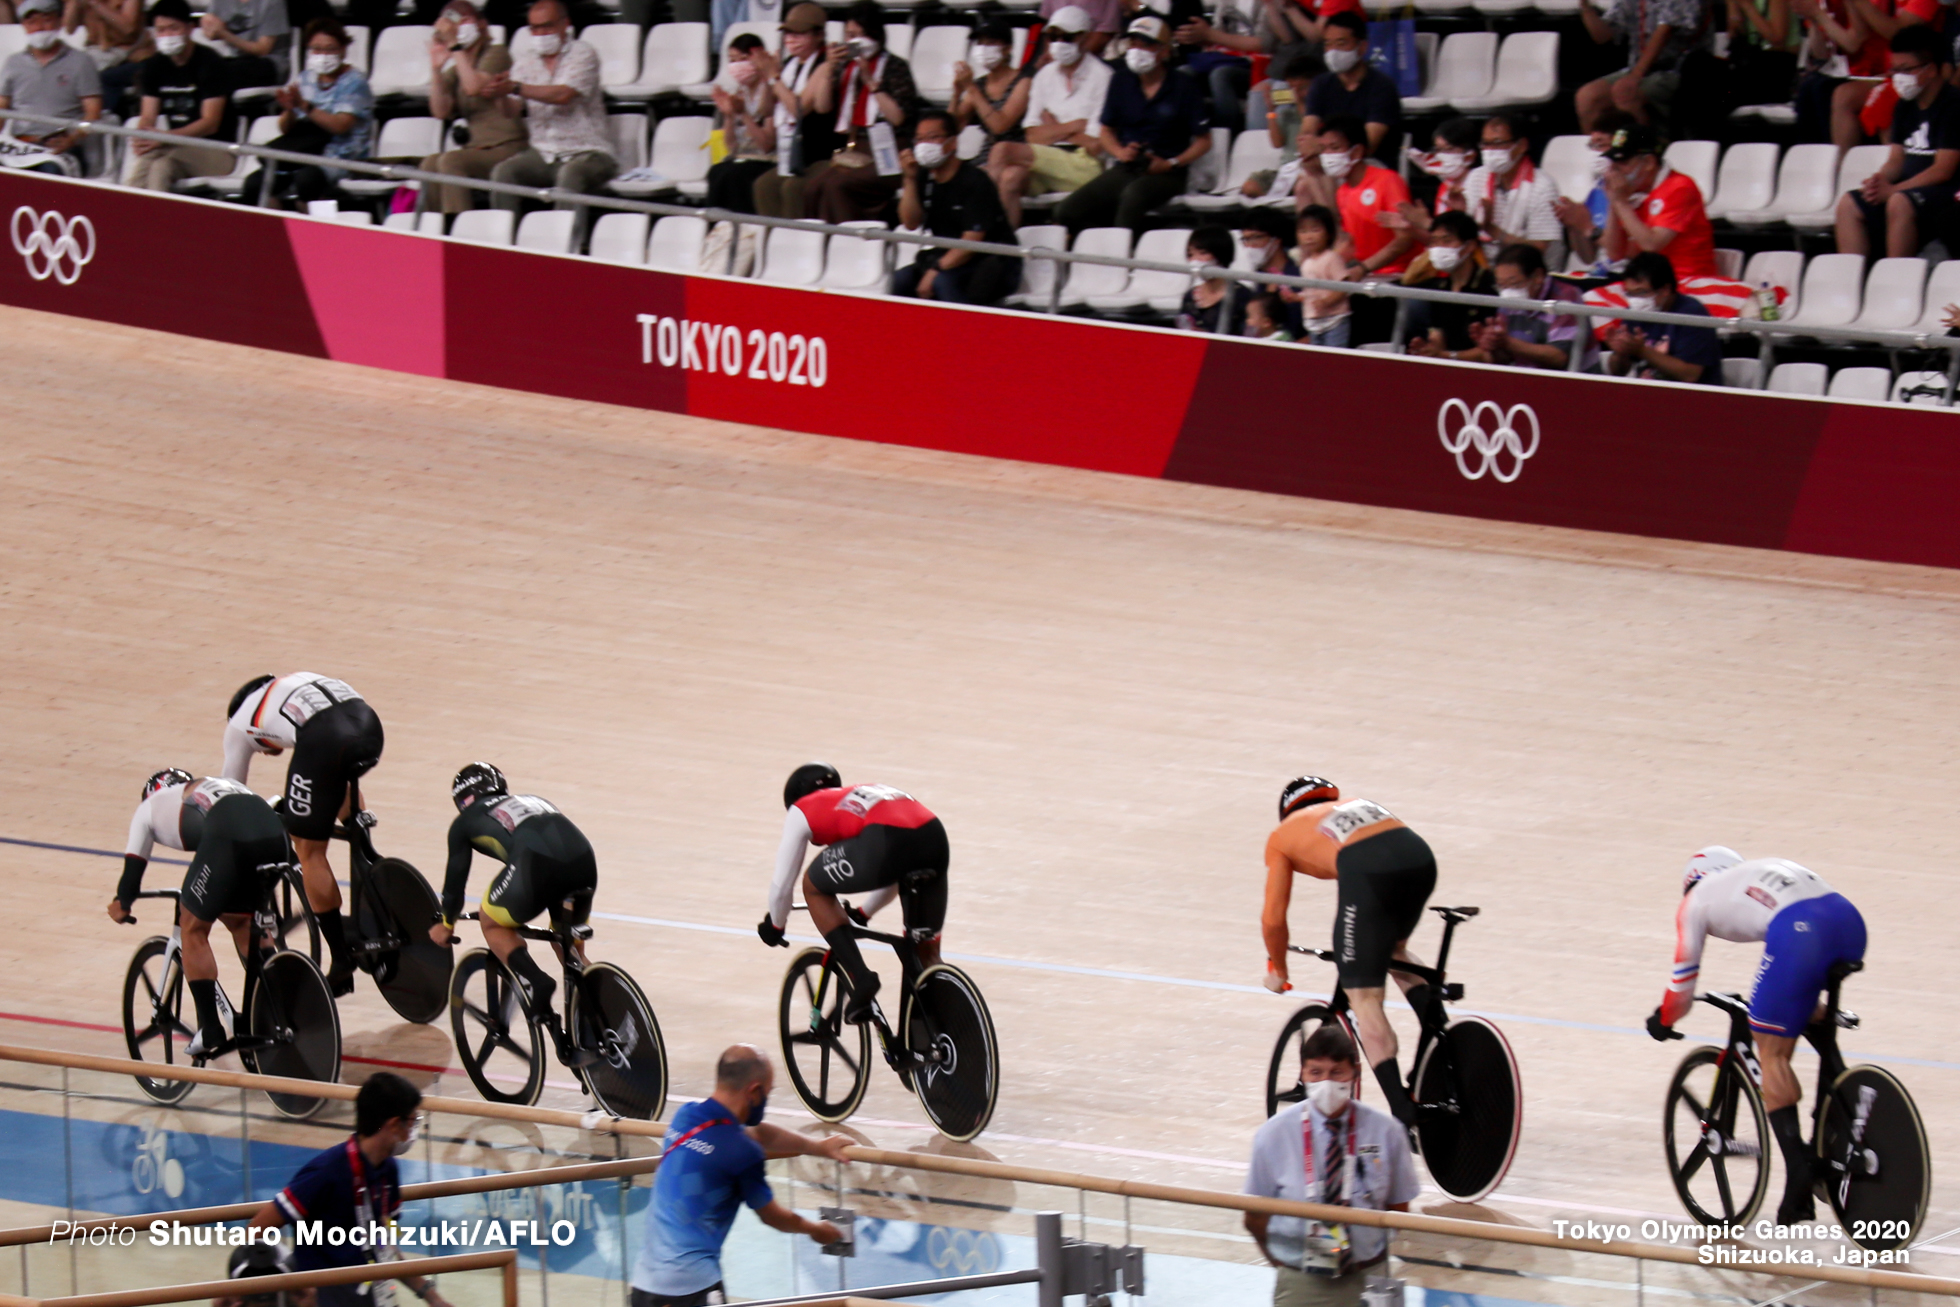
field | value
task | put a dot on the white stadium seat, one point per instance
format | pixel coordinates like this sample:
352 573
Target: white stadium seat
1805 183
791 257
13 39
1087 279
1833 287
1729 263
1038 275
357 46
232 184
1742 374
1746 180
621 238
1861 383
1568 161
484 226
1895 293
1250 152
898 39
1798 379
421 224
1778 268
934 52
354 218
772 40
674 55
1527 74
1161 292
1465 68
618 45
1697 159
413 139
629 138
549 230
676 244
1941 290
854 263
680 156
1859 162
1920 388
401 61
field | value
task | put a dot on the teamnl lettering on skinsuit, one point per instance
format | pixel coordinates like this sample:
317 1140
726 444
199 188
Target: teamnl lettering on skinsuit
1716 1244
480 1233
754 354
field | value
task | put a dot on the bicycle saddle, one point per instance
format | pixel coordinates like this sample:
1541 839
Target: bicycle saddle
1842 969
1455 914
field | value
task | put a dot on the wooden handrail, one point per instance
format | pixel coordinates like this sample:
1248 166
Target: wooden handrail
418 1266
1412 1222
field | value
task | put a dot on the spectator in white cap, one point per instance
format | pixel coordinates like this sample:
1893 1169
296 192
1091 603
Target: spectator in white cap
1099 18
1063 126
1154 127
49 77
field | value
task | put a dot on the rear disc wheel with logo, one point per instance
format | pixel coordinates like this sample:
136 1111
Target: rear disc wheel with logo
292 1012
612 1016
396 909
947 1020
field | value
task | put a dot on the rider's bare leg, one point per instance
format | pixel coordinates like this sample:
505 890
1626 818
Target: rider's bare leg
200 974
323 896
827 914
1781 1094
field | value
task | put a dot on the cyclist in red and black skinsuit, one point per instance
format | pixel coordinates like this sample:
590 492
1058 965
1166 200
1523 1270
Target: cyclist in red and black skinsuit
875 840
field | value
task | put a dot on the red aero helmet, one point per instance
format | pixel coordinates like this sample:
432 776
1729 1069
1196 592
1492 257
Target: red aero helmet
1302 790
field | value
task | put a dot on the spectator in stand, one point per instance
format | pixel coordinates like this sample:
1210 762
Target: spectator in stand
1659 352
949 197
1062 148
1263 237
1655 209
1532 338
1585 220
554 84
1843 59
1658 35
1284 130
1291 33
327 110
1155 126
117 42
1209 298
998 98
1763 45
1453 262
1510 199
805 129
746 117
867 84
1366 194
1909 200
1454 153
1323 313
1105 18
1862 106
1350 87
461 63
255 37
53 78
182 91
1266 316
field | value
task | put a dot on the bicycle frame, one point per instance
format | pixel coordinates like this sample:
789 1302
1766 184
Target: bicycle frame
1432 1024
264 939
1821 1035
361 857
894 1046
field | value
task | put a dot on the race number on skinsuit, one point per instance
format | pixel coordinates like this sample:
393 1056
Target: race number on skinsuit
1341 824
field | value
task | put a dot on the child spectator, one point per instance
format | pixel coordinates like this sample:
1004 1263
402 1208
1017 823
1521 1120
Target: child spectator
1207 247
1323 313
1265 317
1264 236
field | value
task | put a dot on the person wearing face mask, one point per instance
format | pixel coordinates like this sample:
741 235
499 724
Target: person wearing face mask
1351 88
353 1185
1101 21
554 84
1909 200
1655 209
1155 125
1453 262
1264 236
1208 298
805 135
1061 147
997 97
462 61
947 196
255 38
712 1165
1509 197
1661 351
182 91
1532 337
745 114
865 84
327 110
1584 220
1369 200
1328 1148
49 77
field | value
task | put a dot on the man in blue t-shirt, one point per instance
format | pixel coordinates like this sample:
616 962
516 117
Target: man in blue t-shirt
354 1185
1662 351
713 1164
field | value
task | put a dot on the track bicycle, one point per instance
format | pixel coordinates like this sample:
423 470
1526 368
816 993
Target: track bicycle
1871 1155
288 1025
609 1037
389 914
1464 1082
944 1049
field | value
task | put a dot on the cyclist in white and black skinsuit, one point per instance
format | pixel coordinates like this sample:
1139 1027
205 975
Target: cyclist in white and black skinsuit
236 842
336 739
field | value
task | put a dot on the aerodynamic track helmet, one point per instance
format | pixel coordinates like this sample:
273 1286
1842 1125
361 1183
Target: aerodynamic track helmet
1302 790
166 778
244 692
477 780
808 779
1706 862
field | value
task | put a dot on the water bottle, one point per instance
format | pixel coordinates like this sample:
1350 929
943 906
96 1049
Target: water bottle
1766 303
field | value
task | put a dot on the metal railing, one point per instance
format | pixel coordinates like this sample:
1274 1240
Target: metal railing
1770 333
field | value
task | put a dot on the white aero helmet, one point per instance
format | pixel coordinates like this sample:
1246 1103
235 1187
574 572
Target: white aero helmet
1706 862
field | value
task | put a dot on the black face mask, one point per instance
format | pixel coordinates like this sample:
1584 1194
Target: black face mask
755 1113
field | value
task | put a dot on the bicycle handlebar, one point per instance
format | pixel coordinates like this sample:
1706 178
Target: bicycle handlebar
129 919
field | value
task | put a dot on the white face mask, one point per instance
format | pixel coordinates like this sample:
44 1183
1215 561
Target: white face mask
547 43
1601 165
1448 165
414 1134
1641 303
322 65
1329 1096
1337 165
988 57
172 44
1497 160
466 34
1907 85
862 47
1514 292
43 40
1340 61
1064 53
930 154
1140 61
1444 258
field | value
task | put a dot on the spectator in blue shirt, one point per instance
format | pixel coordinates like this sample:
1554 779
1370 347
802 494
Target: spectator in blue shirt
1655 351
1155 125
354 1185
713 1164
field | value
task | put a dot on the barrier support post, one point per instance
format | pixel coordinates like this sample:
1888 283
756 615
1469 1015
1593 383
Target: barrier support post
1048 1258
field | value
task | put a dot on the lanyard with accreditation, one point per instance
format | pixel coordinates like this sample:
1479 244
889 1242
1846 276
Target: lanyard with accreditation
381 1293
1327 1250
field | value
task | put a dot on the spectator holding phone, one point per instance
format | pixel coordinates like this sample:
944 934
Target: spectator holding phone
1656 351
461 63
867 87
1155 126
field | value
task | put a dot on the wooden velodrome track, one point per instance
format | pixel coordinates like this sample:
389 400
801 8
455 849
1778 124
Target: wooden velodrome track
1099 682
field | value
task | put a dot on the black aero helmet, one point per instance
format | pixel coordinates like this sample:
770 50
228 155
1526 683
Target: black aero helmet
808 779
252 1260
1302 790
244 691
166 778
477 780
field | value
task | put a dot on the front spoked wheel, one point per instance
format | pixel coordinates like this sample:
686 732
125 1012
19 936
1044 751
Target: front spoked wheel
1880 1174
612 1016
153 1024
501 1047
397 908
947 1020
829 1061
1717 1139
1469 1108
293 1013
1283 1081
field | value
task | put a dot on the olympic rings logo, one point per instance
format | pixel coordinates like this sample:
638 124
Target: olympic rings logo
962 1252
1466 434
53 245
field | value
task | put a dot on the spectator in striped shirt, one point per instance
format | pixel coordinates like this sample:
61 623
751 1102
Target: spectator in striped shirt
1513 203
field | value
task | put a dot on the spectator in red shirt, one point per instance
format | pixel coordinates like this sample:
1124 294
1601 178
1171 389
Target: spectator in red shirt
1844 59
1653 209
1364 193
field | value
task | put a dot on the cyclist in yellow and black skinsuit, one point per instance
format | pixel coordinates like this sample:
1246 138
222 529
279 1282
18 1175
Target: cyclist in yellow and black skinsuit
548 866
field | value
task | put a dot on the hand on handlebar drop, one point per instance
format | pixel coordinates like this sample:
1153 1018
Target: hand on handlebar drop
118 913
771 933
1659 1029
442 935
1276 979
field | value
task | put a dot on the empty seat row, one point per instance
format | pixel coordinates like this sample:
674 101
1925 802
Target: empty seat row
1471 72
1836 290
1846 383
789 257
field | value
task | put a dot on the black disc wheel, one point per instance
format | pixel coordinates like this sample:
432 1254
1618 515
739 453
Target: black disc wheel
295 1029
829 1062
1717 1139
396 909
501 1047
947 1020
1879 1174
611 1014
153 1024
1469 1108
1284 1083
296 927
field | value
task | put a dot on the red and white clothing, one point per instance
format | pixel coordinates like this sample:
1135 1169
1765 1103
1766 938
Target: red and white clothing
829 817
1522 209
1735 904
270 717
1676 204
1378 190
174 815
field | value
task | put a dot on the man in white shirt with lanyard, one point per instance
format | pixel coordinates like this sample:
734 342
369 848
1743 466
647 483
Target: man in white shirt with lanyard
1328 1149
1513 202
